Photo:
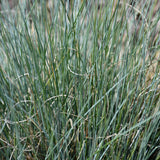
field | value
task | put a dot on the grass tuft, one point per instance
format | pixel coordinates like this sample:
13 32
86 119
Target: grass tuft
80 80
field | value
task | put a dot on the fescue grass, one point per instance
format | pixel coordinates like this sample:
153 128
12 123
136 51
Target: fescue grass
80 81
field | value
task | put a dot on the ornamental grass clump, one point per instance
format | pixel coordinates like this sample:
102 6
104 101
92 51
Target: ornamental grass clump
80 80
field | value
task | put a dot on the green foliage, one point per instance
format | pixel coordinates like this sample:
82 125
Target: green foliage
80 81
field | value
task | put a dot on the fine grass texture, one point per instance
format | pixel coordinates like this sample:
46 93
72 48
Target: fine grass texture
80 80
